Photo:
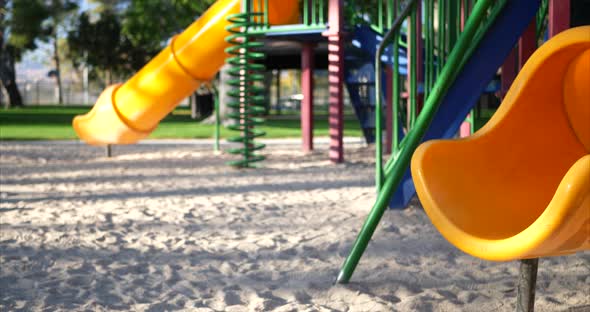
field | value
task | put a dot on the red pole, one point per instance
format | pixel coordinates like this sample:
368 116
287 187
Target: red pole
307 67
559 16
508 73
527 43
465 129
336 78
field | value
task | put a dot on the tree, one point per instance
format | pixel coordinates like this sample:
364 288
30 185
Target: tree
97 44
20 26
151 23
58 12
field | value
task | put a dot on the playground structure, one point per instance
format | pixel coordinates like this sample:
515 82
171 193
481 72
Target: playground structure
439 69
133 110
518 225
492 215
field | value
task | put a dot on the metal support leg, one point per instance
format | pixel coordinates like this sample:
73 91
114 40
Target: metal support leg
307 68
109 150
527 279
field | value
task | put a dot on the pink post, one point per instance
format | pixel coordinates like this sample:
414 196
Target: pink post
559 16
307 67
388 109
527 43
336 78
465 129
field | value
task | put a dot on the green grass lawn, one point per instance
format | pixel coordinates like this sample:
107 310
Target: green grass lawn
55 123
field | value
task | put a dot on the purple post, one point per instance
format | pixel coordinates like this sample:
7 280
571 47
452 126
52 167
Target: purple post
307 67
465 129
527 44
508 73
559 16
336 78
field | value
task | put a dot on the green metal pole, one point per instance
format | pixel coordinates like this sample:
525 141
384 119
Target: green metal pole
306 4
396 87
379 101
266 21
441 36
413 94
321 10
413 140
380 16
496 10
428 47
313 13
390 16
217 119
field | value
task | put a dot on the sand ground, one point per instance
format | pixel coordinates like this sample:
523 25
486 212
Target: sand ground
168 226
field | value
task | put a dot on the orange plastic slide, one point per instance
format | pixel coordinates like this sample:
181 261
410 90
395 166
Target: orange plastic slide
520 187
129 112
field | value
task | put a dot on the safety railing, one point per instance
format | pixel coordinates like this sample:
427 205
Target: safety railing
440 34
313 16
447 50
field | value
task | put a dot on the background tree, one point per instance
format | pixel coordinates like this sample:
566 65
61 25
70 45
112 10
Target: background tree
150 24
20 26
58 13
98 44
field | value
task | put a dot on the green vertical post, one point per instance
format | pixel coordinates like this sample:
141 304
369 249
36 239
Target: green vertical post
266 22
379 104
448 28
441 36
428 57
380 16
378 128
414 137
321 10
396 86
313 13
306 4
413 75
389 16
217 120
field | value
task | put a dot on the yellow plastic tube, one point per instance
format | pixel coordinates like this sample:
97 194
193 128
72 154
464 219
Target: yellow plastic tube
129 112
520 187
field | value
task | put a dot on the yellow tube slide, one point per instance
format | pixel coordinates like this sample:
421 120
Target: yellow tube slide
520 187
129 112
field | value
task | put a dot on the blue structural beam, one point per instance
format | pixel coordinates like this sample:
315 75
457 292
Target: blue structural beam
481 67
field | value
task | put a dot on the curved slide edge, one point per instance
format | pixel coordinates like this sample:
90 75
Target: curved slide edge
520 187
127 113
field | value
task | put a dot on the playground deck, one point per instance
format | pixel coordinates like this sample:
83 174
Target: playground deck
171 227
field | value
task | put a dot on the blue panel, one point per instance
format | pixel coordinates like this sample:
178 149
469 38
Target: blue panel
360 77
473 79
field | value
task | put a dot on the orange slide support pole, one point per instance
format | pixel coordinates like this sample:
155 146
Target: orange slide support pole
126 113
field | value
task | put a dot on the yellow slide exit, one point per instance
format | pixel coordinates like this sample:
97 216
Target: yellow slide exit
520 187
126 113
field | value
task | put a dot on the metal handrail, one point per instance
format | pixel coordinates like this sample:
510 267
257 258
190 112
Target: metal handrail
389 36
414 137
313 16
